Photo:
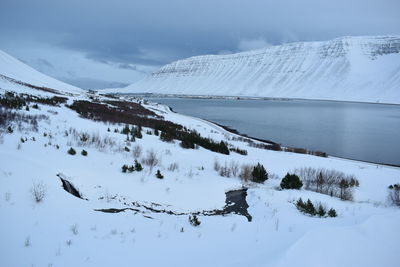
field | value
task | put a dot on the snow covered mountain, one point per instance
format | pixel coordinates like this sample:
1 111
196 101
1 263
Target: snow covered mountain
17 76
365 69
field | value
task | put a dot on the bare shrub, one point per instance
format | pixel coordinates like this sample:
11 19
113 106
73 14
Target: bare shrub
328 182
27 242
84 139
38 191
234 167
173 167
217 165
225 171
74 229
246 172
394 194
151 159
7 196
24 122
137 151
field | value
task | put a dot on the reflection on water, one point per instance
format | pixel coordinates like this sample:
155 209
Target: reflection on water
352 130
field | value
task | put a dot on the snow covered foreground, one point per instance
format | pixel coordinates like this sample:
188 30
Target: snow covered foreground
363 69
63 230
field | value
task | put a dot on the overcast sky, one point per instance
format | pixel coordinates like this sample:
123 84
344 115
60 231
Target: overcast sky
104 43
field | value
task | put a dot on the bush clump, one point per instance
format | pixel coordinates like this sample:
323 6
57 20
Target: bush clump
394 194
239 151
314 210
332 213
194 220
259 174
124 168
159 175
291 181
138 166
71 151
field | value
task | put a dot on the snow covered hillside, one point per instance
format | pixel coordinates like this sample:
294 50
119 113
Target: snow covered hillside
365 69
72 194
18 76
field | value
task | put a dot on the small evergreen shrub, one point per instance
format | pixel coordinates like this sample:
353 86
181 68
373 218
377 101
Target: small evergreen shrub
71 151
321 211
137 132
300 205
259 174
84 152
125 130
291 181
10 129
124 168
332 213
159 175
309 208
138 166
193 220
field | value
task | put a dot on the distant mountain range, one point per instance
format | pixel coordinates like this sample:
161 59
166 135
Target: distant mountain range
365 69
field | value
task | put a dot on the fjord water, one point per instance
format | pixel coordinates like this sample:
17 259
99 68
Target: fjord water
362 131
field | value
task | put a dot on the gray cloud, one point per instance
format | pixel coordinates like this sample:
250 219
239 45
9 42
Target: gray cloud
127 66
89 83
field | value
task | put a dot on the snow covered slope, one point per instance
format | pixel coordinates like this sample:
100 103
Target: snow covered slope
365 69
135 219
14 74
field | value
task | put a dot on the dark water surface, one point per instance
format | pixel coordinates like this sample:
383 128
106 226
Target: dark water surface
361 131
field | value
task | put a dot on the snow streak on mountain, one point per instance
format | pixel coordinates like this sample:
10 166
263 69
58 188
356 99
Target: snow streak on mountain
363 69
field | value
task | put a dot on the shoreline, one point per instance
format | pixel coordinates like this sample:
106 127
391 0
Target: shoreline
263 98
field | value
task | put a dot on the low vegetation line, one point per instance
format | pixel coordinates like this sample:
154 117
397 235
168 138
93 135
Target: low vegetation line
134 113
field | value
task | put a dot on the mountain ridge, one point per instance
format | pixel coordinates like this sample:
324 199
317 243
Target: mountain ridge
362 69
16 74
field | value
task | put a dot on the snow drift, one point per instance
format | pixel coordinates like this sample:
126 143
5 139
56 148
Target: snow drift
365 69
